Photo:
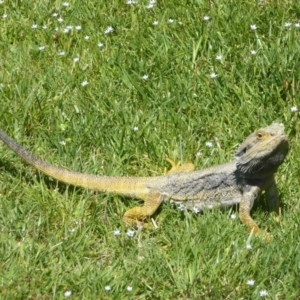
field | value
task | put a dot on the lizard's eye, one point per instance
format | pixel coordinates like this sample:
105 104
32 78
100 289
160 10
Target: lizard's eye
259 135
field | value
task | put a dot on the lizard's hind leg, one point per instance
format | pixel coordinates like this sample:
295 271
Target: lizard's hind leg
136 215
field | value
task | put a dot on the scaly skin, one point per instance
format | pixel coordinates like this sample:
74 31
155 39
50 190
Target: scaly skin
238 182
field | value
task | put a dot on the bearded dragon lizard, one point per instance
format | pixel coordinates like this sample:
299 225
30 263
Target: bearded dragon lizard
237 182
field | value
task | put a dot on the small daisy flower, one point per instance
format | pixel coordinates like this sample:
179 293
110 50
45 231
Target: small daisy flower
249 247
108 30
130 233
66 30
294 109
84 83
263 293
117 232
78 27
213 75
76 59
155 23
41 48
107 288
135 128
129 288
72 230
180 23
62 53
181 207
297 25
233 216
60 20
129 2
4 16
86 37
145 77
206 18
250 282
45 27
69 27
171 21
55 15
1 1
199 154
287 24
67 294
63 143
150 5
253 27
34 26
196 210
100 45
219 57
65 4
253 52
209 144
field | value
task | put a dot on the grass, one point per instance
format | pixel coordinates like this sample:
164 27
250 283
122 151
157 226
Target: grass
56 239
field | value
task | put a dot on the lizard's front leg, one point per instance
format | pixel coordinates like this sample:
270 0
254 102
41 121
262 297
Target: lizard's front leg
250 193
136 215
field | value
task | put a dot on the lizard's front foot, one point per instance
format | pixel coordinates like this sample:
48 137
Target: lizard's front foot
178 168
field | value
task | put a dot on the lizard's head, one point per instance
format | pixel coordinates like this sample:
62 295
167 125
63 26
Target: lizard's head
263 151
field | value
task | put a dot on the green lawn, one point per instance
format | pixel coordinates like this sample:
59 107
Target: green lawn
109 87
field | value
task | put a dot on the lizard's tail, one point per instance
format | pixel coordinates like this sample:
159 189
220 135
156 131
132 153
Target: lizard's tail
128 186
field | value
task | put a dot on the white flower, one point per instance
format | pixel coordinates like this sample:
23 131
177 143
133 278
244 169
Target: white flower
155 23
86 37
253 52
100 45
117 232
84 83
253 27
76 59
263 293
44 27
63 143
129 2
206 18
196 210
232 216
135 128
108 30
41 48
181 207
170 20
145 77
60 20
4 16
199 153
249 247
66 30
150 5
209 144
1 1
297 25
67 294
287 24
294 109
129 288
107 288
251 282
152 1
213 75
72 230
65 4
54 15
219 57
180 23
34 26
69 27
62 53
78 27
130 233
